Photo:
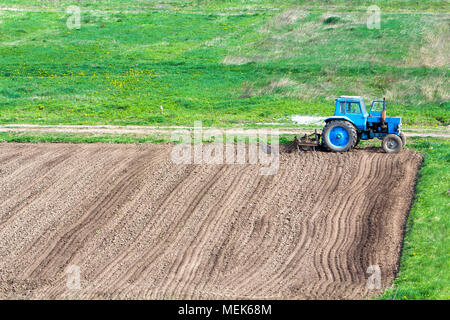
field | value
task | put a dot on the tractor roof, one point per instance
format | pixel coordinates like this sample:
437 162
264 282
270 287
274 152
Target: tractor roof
351 97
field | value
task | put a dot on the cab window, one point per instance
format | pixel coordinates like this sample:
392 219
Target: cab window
342 107
353 107
377 106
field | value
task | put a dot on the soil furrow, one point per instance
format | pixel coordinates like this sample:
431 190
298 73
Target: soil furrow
139 226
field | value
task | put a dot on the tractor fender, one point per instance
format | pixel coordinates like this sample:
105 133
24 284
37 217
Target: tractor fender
333 118
338 118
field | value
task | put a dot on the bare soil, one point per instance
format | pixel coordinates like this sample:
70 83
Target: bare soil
139 226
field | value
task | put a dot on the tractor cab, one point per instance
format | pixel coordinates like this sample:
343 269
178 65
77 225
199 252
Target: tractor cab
352 109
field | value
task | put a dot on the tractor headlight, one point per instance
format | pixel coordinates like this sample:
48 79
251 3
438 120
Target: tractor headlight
399 127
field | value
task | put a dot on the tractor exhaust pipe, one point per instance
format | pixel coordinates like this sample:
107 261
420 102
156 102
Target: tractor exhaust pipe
383 113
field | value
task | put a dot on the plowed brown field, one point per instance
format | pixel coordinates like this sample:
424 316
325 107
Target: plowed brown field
139 226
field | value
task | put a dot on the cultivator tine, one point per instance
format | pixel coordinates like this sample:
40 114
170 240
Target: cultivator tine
295 145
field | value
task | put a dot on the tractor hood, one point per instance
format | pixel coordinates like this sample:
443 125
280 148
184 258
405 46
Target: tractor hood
392 120
394 124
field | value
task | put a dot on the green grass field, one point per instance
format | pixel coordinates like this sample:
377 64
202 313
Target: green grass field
230 63
425 263
222 62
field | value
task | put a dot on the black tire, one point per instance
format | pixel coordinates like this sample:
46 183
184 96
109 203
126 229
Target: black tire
402 136
351 130
392 143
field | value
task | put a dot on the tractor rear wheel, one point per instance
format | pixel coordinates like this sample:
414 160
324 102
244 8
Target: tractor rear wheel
392 143
339 136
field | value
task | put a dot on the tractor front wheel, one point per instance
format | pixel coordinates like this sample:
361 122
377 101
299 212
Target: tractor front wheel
339 136
392 143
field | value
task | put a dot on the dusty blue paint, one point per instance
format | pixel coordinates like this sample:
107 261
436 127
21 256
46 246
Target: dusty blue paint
368 124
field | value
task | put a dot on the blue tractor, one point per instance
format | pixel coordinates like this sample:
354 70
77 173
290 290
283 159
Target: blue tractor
351 123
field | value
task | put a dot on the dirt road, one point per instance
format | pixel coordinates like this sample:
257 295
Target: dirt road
138 226
443 132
